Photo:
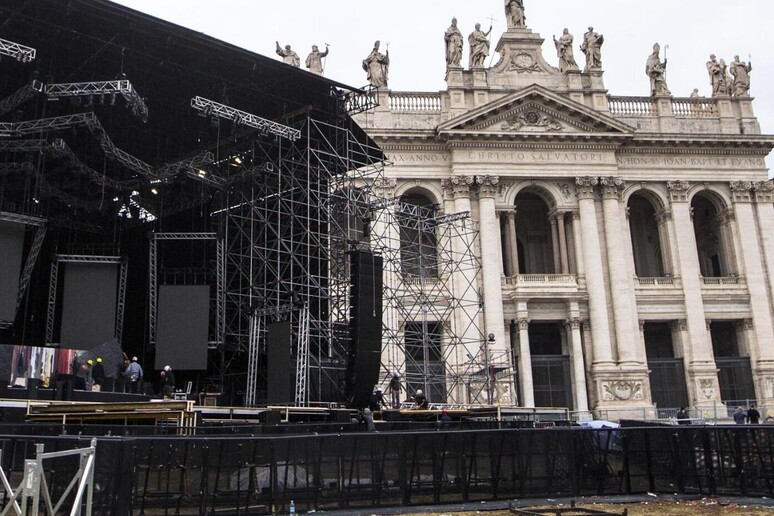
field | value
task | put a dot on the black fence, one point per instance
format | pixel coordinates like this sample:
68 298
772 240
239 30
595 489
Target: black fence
262 474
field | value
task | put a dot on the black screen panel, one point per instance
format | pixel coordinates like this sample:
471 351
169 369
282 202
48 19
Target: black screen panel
89 304
182 327
280 375
11 246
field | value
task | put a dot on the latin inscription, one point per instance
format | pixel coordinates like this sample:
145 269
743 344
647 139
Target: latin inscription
537 157
666 161
419 158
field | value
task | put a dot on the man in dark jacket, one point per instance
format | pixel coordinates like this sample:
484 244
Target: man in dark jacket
98 374
753 416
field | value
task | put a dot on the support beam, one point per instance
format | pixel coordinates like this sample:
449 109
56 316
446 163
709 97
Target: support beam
21 53
101 88
212 108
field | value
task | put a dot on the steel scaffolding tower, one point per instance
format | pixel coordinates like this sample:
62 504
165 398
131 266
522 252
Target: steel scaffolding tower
433 309
289 219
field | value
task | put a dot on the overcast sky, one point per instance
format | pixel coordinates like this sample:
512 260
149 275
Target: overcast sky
693 29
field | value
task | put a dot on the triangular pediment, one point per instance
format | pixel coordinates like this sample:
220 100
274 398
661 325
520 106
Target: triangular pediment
534 110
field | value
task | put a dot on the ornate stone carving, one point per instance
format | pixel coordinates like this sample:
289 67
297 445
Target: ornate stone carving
663 216
611 187
741 191
288 55
748 324
523 324
532 119
741 74
458 185
678 190
522 62
565 189
565 53
514 13
707 388
622 390
387 184
681 325
592 47
584 186
377 67
453 39
656 70
573 323
764 191
479 46
718 76
488 186
314 60
770 382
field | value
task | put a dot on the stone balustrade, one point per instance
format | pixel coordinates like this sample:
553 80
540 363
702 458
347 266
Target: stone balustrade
721 281
632 106
655 282
694 107
536 279
415 102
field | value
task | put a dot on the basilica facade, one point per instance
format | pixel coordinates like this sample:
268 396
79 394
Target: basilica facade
625 243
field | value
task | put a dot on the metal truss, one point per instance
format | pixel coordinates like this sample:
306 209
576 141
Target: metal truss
212 108
88 120
21 53
153 275
359 101
288 227
302 359
29 264
60 149
54 280
23 145
121 301
20 96
22 219
195 165
253 352
102 88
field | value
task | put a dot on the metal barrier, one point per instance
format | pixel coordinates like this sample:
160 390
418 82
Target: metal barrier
355 471
34 484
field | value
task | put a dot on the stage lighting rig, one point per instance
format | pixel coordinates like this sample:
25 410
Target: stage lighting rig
212 108
101 89
21 53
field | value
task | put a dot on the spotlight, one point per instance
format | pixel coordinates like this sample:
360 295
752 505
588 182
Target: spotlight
238 159
154 191
201 172
115 199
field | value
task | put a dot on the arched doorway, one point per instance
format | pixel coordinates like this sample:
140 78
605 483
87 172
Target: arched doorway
649 255
709 229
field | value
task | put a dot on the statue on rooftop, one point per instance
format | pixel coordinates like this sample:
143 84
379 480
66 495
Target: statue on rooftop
314 60
592 47
288 55
740 71
717 73
656 70
377 66
514 13
479 46
453 39
565 52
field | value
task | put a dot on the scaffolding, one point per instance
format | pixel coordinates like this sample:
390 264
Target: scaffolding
433 309
290 214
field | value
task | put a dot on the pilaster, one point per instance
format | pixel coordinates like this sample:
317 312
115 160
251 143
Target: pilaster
491 259
525 364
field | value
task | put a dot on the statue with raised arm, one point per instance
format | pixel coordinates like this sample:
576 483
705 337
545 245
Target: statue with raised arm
564 51
514 13
656 70
479 46
453 39
592 47
377 67
717 73
314 60
740 71
288 55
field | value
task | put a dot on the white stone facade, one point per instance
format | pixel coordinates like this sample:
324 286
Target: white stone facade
624 234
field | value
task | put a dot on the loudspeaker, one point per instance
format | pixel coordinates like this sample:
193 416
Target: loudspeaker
365 326
279 372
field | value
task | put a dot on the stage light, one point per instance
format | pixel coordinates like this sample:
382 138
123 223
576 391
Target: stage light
201 173
154 191
115 199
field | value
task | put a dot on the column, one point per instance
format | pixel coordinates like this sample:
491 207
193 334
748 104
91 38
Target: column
563 243
662 219
764 208
505 235
555 242
622 288
525 365
491 256
578 247
703 386
580 396
757 284
513 242
595 279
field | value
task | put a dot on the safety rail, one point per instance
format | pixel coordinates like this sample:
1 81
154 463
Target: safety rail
415 102
34 484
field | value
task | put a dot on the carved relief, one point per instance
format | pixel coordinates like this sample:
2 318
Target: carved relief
387 184
458 185
764 191
531 119
622 390
770 382
612 187
678 190
523 324
523 62
565 189
573 324
707 388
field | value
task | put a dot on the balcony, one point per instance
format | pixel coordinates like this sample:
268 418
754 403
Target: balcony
543 285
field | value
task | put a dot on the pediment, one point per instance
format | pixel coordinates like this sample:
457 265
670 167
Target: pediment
534 111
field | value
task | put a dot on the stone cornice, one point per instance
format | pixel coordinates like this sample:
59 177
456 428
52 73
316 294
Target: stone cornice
528 145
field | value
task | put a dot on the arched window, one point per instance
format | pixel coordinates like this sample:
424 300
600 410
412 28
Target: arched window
709 231
533 233
418 241
646 240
